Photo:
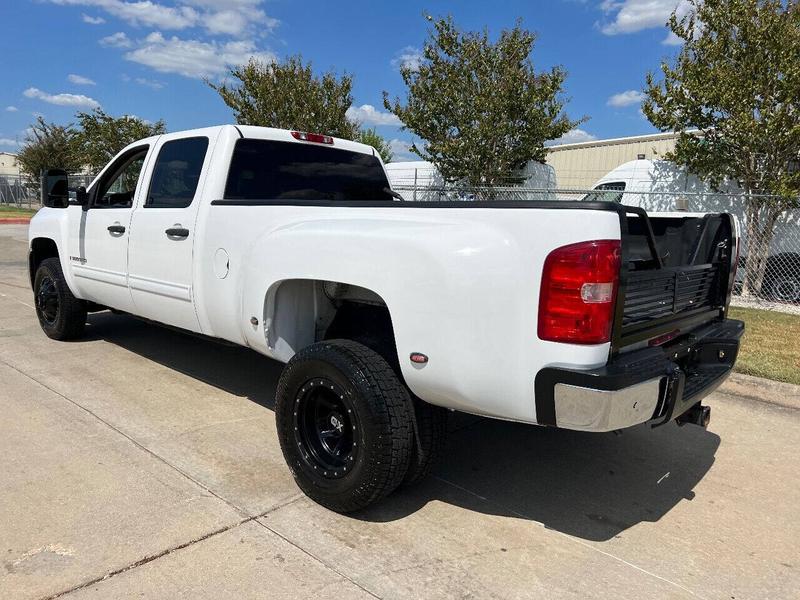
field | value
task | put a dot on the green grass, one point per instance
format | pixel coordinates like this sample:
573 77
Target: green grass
13 212
771 344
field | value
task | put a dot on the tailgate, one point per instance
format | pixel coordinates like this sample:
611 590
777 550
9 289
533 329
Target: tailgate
677 274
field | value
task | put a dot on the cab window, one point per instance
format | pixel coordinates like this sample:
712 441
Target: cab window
119 187
176 173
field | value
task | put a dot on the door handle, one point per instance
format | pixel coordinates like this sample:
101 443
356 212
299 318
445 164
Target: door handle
177 231
116 228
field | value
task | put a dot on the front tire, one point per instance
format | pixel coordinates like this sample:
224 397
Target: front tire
344 424
61 315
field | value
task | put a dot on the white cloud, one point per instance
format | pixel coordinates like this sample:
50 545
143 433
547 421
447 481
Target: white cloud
630 16
401 149
238 18
92 20
572 137
151 83
408 57
8 142
369 115
11 109
626 98
142 12
80 79
194 58
76 100
116 40
672 40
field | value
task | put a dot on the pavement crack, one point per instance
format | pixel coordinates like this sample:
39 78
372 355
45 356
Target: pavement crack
574 539
172 549
139 445
14 285
324 563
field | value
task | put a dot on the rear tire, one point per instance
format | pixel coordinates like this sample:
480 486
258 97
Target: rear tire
344 424
430 437
61 315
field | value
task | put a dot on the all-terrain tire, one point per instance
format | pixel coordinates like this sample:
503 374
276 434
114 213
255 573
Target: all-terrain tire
61 315
430 437
367 407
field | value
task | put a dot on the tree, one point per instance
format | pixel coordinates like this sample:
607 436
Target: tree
374 139
102 136
481 106
288 95
737 81
47 146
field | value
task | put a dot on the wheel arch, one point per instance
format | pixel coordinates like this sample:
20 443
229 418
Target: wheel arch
41 248
299 312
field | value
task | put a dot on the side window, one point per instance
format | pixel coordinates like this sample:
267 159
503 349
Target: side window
117 190
177 173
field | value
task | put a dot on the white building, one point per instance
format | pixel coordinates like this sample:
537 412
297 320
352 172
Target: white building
578 166
8 164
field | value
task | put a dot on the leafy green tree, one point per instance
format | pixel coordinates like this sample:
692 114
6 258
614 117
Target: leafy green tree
102 136
737 81
288 95
481 107
374 139
47 146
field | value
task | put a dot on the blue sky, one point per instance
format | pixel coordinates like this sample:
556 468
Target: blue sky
148 57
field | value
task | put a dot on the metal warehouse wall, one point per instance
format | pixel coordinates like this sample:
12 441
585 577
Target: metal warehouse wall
579 166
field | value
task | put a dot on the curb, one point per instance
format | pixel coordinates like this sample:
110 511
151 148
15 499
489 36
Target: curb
14 221
762 390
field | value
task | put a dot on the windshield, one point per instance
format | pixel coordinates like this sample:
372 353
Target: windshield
606 192
271 170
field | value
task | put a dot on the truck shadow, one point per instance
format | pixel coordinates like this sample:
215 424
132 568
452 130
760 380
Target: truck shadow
592 486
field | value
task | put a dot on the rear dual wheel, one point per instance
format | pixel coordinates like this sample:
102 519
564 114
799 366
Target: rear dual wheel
345 424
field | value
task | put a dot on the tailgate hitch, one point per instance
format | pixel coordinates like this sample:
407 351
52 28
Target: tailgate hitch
697 415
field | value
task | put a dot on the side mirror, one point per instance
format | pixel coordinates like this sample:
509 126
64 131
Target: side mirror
81 196
55 188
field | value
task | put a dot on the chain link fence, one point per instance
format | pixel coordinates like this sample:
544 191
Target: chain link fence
769 261
768 274
20 192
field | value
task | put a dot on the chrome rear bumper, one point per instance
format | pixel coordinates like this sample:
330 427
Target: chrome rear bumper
586 409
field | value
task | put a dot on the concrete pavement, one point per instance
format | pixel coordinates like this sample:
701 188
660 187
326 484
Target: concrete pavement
140 462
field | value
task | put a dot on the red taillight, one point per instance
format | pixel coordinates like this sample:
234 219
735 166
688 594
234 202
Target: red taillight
312 137
579 286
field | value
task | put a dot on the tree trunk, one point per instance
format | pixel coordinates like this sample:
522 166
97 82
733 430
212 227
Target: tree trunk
761 219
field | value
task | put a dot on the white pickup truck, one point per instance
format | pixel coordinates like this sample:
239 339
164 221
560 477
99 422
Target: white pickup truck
581 315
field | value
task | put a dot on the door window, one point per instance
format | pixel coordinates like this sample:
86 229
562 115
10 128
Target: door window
117 190
177 173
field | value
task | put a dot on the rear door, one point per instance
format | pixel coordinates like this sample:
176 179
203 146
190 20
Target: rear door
160 266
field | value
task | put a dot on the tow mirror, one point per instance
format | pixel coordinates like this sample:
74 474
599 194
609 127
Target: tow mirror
55 188
81 197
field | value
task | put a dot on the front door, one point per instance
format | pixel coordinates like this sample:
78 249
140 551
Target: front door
162 233
98 237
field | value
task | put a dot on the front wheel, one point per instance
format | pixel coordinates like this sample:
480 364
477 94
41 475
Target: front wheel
61 315
344 423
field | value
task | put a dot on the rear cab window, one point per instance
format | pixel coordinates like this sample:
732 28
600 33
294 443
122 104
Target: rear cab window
273 170
176 173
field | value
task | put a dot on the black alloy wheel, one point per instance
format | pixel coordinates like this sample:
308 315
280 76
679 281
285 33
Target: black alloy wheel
47 301
325 427
61 315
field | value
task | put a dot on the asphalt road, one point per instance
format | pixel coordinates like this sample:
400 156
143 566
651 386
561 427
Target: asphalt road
140 462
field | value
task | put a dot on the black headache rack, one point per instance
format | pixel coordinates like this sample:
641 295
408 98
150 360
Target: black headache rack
672 279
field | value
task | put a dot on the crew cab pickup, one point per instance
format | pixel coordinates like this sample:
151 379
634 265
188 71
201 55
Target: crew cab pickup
582 315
